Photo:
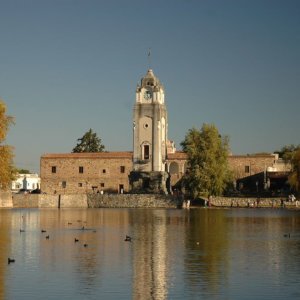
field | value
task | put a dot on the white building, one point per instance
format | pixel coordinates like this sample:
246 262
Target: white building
28 182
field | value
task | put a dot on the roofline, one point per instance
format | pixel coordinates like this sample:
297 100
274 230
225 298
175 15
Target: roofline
123 154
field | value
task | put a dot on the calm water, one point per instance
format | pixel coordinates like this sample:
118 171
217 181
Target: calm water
174 254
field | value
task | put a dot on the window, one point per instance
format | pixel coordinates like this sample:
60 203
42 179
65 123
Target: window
102 184
122 169
80 170
80 184
53 169
146 152
247 169
64 184
104 171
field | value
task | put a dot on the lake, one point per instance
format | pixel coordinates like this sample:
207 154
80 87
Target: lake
202 253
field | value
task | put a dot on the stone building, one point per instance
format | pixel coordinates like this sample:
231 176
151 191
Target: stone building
154 166
110 171
85 172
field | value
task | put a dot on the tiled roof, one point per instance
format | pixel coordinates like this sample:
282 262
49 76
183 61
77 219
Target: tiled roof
177 155
252 155
180 155
183 155
90 155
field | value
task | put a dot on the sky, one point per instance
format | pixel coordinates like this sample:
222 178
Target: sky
67 66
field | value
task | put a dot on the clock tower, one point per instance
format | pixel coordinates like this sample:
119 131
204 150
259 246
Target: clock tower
149 137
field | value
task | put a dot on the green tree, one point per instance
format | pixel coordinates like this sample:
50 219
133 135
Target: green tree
7 170
89 143
287 152
294 177
291 155
208 172
23 171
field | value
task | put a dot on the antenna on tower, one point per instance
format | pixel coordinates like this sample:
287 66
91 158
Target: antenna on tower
149 58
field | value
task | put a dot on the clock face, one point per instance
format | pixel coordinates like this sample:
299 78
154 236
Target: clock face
148 95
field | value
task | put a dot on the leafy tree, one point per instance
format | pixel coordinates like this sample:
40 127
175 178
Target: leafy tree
89 143
291 155
294 177
23 171
7 170
208 172
287 152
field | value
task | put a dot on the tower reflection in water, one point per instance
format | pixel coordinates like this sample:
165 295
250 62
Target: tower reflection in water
149 249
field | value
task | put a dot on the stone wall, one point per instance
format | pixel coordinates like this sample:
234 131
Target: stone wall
133 201
129 201
49 201
73 201
253 202
94 201
5 199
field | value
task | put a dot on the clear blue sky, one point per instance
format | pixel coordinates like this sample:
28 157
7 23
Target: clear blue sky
67 66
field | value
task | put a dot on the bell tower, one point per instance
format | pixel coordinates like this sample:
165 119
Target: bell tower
150 124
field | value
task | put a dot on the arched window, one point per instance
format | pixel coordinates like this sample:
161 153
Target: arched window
146 152
174 168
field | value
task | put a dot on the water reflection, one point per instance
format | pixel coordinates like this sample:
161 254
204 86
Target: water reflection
5 245
174 254
206 250
149 251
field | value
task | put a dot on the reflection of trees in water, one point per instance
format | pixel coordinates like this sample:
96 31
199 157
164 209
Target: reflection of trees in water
206 249
149 230
5 244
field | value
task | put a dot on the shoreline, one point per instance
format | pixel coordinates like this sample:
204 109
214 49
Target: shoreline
9 200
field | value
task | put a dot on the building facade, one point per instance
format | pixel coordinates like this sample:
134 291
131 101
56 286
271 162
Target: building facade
109 172
154 166
85 172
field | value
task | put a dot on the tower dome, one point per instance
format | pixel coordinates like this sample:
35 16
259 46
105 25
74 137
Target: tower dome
150 80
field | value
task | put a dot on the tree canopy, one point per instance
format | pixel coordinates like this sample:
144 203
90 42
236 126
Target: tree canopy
287 152
207 151
23 171
7 170
291 154
294 178
89 143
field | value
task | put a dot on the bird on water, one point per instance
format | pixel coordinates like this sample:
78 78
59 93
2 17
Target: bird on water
10 260
127 238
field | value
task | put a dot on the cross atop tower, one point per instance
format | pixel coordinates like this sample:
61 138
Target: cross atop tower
149 58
